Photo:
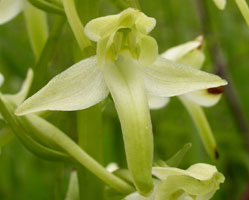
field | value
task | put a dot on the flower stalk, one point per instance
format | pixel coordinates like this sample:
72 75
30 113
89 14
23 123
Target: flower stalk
76 25
203 127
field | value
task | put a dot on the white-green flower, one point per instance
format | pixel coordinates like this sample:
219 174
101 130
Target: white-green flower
190 53
9 9
199 182
128 67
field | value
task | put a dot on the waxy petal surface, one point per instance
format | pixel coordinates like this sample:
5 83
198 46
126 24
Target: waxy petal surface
166 78
79 87
127 89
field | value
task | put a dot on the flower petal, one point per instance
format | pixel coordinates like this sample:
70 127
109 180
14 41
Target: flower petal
126 86
148 50
179 51
188 53
199 171
175 187
22 94
101 27
144 23
199 180
79 87
203 97
9 9
1 79
167 78
156 102
104 26
220 3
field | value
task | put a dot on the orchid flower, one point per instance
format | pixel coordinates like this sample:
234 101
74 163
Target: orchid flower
128 67
190 53
199 182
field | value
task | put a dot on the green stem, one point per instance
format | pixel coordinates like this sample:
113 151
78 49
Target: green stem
203 127
69 146
89 121
90 139
48 7
48 52
37 27
76 25
244 9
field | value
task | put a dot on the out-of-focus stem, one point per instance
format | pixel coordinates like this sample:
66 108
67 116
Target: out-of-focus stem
203 127
48 52
221 69
76 25
89 122
36 22
244 9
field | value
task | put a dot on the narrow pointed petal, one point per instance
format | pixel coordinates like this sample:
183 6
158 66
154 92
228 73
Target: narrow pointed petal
167 78
9 9
79 87
22 94
220 4
128 92
203 127
175 53
244 9
156 102
204 97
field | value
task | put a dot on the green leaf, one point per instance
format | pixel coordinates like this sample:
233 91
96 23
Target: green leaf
128 92
73 187
47 6
79 87
175 160
9 9
166 78
7 110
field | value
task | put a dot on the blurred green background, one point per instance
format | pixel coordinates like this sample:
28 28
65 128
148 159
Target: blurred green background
23 176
